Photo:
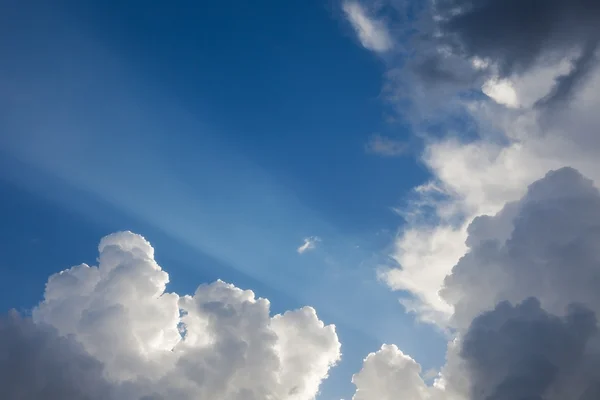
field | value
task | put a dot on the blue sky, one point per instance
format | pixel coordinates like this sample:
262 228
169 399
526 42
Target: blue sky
223 134
363 157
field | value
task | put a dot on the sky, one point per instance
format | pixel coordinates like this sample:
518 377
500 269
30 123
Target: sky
299 200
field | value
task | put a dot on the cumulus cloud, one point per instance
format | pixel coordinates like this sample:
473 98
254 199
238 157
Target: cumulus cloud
385 146
373 34
112 332
524 300
310 243
542 245
389 374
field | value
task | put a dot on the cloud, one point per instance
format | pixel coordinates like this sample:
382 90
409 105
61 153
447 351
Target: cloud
503 40
385 146
542 245
502 91
475 177
515 35
389 374
111 331
525 301
523 352
449 50
310 243
373 34
513 106
497 250
37 363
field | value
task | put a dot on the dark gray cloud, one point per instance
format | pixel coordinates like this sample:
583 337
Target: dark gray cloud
524 353
518 34
36 363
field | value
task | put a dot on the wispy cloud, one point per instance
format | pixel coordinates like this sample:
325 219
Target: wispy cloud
309 244
373 34
385 146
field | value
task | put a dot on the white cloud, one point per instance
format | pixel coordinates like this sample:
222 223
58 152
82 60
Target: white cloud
114 333
373 34
389 374
385 146
310 243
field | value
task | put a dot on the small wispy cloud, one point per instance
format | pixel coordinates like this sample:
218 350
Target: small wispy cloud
373 34
309 244
385 146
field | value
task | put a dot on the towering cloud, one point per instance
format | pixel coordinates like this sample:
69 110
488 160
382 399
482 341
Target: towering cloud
114 333
525 301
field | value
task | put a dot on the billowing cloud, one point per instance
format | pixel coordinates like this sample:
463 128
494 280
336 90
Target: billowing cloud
385 146
389 374
372 33
310 243
544 245
524 301
114 333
